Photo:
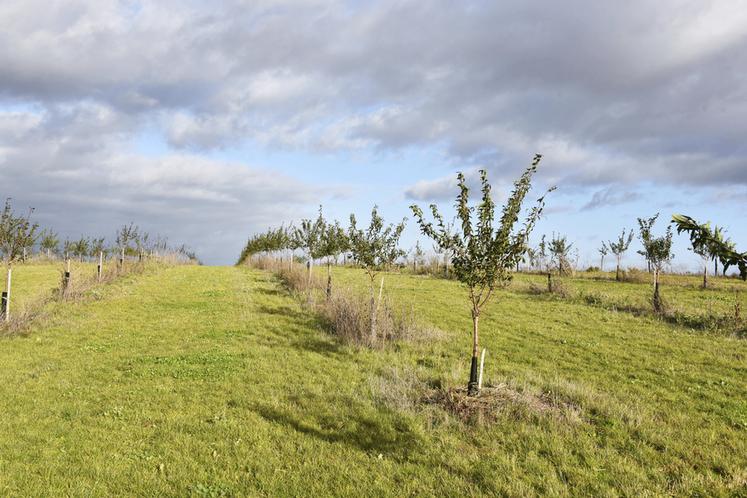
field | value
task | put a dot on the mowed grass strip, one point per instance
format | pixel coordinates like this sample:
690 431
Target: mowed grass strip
214 382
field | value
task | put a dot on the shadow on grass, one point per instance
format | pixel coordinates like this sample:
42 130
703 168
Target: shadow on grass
269 292
304 330
364 428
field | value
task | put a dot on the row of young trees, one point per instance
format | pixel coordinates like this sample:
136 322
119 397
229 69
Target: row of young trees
486 248
19 236
483 252
374 248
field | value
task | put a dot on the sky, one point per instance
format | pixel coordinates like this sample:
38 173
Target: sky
205 122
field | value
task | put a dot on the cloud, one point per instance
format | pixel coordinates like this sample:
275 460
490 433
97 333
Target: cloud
80 188
612 94
611 196
600 86
447 188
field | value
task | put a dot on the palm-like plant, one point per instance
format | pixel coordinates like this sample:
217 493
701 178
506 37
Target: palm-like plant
701 234
484 256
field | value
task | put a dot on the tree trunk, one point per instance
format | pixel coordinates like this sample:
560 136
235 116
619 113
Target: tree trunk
101 265
657 296
329 280
705 276
549 282
473 387
715 267
308 267
617 271
601 265
373 314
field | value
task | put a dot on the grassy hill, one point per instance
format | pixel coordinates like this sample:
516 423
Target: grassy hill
215 382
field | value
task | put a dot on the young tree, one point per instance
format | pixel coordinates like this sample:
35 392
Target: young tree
645 225
97 251
603 251
659 252
334 241
80 248
142 244
701 234
98 246
16 233
375 249
67 249
484 256
50 242
560 250
542 254
418 256
126 235
309 238
619 249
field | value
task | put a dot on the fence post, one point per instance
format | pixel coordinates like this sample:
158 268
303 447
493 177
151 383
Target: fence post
4 306
66 278
6 296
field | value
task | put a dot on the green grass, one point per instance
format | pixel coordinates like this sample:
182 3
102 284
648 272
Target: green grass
32 280
214 382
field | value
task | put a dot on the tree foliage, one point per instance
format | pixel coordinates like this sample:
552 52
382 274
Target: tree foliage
620 247
560 250
484 255
17 233
376 247
701 235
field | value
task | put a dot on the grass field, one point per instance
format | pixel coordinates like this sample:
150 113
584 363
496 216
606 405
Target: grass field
212 381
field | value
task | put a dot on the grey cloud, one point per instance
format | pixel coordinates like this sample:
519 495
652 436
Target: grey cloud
609 92
209 204
611 196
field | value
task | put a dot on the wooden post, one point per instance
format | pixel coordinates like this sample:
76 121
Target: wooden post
101 265
3 305
482 367
6 296
66 278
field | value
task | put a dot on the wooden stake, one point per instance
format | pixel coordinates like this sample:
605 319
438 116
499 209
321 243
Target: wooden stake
482 366
7 294
101 265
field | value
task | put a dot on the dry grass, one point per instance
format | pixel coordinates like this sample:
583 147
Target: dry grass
501 400
79 288
347 313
